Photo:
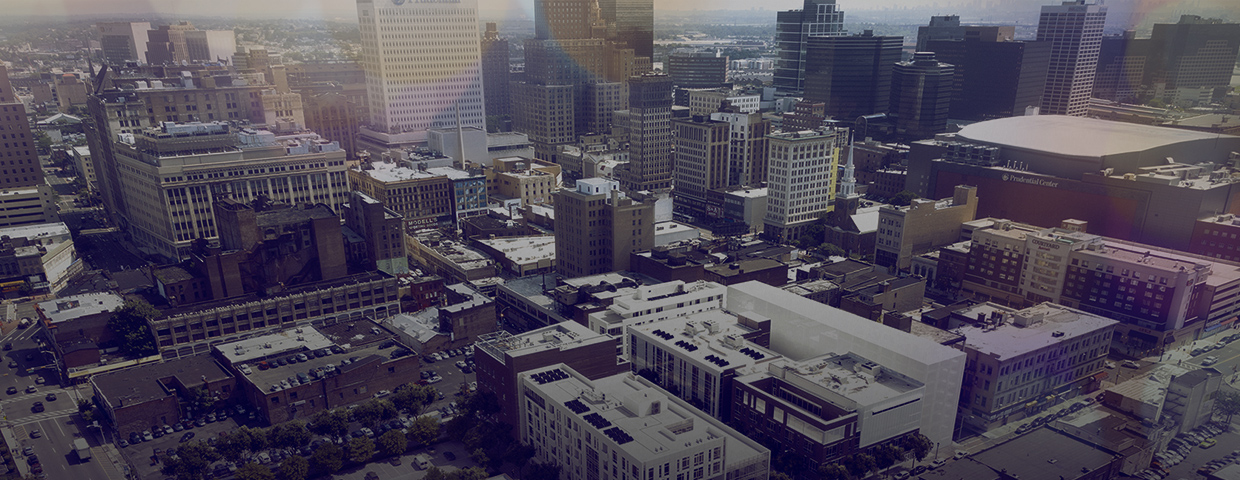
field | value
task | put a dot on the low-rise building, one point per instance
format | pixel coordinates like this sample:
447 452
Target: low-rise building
532 181
501 357
28 205
40 256
653 434
405 186
455 261
326 368
1021 363
905 232
521 255
654 303
154 395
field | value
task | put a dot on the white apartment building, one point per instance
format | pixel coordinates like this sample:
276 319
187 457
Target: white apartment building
697 356
422 62
623 427
654 303
707 102
1016 360
801 177
172 176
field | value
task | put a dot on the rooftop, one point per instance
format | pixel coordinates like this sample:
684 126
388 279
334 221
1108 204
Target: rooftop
1079 136
36 231
849 375
523 250
1051 324
561 336
293 340
1151 388
69 308
469 297
452 173
314 367
137 385
423 325
1044 454
625 402
712 339
392 172
749 265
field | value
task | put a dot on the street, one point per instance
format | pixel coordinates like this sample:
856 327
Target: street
58 425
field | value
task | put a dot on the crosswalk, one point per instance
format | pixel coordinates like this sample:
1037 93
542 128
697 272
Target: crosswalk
38 417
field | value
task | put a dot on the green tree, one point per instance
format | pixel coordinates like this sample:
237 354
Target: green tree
291 434
360 450
191 461
130 325
369 413
832 472
43 143
858 464
917 445
84 405
519 454
832 250
543 471
294 468
392 443
424 430
903 198
1227 403
254 471
472 473
779 476
434 473
414 398
327 459
331 422
887 455
479 456
202 399
483 404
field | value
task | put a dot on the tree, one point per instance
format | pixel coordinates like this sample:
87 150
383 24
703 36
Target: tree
424 430
294 467
254 471
918 445
130 325
331 422
543 471
858 464
903 198
392 443
413 398
369 413
519 454
360 450
833 472
84 405
292 434
483 404
1227 403
779 476
479 456
434 473
202 400
832 250
472 473
327 459
887 455
191 461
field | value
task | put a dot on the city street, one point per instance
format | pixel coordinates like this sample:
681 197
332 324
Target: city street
58 425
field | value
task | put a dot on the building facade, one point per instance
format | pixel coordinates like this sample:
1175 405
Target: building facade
598 227
793 29
921 95
993 78
906 232
851 74
801 180
650 134
1075 32
19 151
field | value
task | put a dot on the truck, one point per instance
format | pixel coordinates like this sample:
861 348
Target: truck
82 448
24 323
421 461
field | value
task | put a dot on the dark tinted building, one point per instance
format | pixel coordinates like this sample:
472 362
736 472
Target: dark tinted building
1122 65
1194 53
921 91
631 22
994 79
851 75
495 72
793 28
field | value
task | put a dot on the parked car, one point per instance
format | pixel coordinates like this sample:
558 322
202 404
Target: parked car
187 437
1207 443
1210 360
1131 364
31 389
448 455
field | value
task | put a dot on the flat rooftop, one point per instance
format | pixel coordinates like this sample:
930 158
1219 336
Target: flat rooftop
423 325
713 339
36 231
522 250
1043 454
69 308
1151 388
469 297
1080 136
291 341
281 377
144 383
1058 324
617 400
561 336
849 375
392 172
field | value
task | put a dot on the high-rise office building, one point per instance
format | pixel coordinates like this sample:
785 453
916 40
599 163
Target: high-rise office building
948 27
690 69
793 28
1194 57
851 74
747 152
650 134
801 179
598 227
1122 63
994 79
184 43
334 116
422 63
123 41
1075 32
17 144
921 93
495 70
630 22
701 161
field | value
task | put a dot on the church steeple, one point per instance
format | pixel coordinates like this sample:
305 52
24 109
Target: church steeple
848 184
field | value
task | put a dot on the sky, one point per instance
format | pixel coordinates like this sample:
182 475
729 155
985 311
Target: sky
345 10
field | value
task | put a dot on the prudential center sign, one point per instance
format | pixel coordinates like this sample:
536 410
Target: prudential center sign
1041 182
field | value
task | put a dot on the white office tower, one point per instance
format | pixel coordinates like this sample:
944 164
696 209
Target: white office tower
1075 32
422 60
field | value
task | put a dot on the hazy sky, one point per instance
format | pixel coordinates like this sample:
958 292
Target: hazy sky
345 10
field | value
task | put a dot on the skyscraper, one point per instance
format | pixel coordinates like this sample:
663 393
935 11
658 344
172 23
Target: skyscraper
921 93
495 70
1193 58
994 79
793 28
17 144
422 63
630 22
1122 64
701 162
650 134
1075 32
948 27
801 180
851 74
691 69
123 41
